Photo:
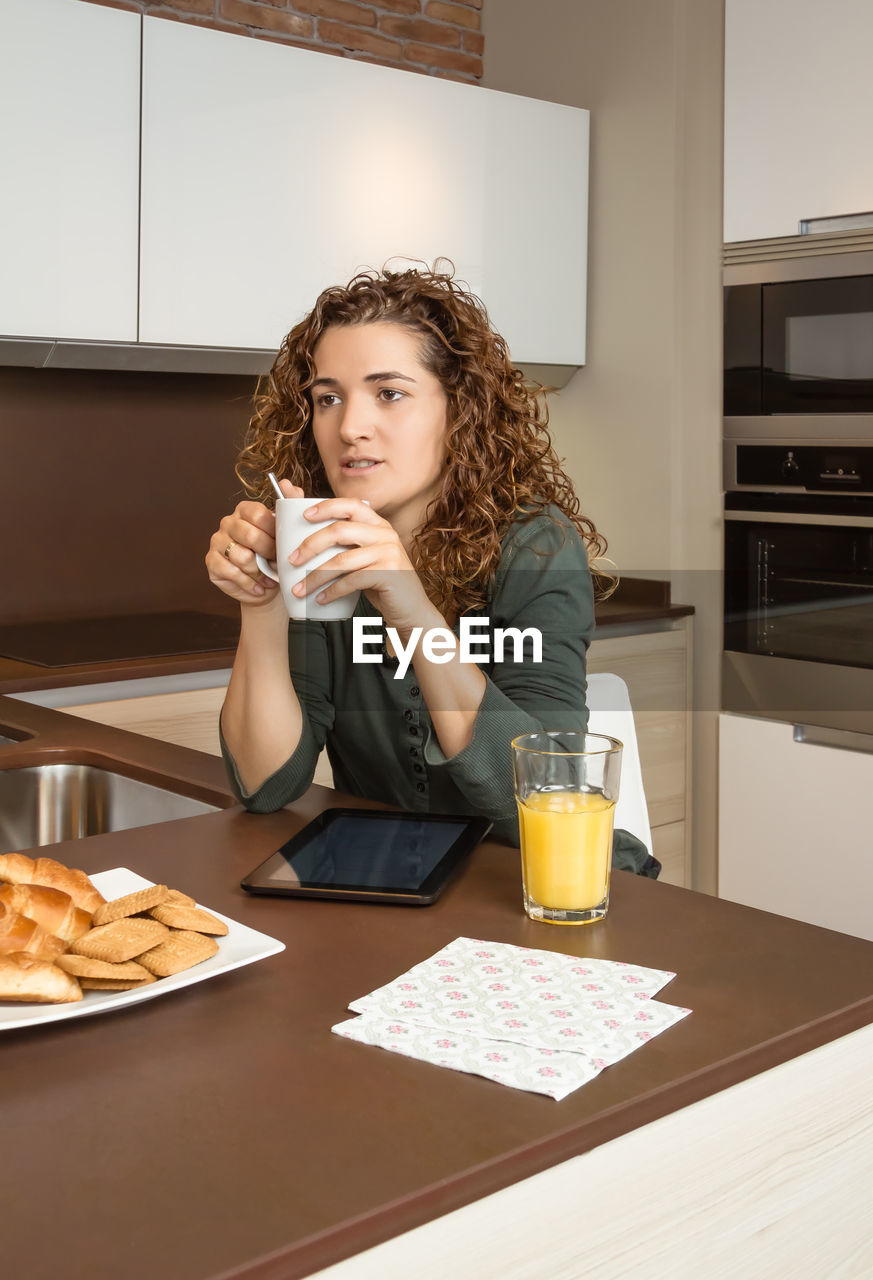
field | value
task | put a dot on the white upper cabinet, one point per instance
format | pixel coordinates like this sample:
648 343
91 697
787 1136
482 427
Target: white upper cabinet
535 194
270 172
69 105
798 114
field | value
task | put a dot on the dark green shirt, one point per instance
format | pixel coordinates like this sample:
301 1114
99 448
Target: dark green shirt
379 736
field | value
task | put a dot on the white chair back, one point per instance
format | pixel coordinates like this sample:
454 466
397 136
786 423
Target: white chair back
609 712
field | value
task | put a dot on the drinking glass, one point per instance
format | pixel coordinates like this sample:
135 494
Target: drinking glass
566 787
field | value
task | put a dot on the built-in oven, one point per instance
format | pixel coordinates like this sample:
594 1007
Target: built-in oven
798 336
798 628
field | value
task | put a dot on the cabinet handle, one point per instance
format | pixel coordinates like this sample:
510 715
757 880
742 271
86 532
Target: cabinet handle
817 735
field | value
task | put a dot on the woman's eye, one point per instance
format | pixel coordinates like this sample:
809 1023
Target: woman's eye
390 394
327 401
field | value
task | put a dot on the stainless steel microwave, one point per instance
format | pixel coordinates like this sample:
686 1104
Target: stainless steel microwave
798 336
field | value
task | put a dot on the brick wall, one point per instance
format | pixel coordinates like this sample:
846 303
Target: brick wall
435 37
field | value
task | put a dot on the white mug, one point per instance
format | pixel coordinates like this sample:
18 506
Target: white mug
291 529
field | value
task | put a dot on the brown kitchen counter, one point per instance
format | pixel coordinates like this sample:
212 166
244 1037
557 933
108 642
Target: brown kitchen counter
20 677
223 1131
637 602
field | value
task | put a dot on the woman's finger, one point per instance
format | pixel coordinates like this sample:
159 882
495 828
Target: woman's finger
242 532
234 582
232 566
224 545
251 513
244 559
400 592
347 533
338 567
344 509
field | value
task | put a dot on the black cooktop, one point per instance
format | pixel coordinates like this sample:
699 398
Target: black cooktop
77 641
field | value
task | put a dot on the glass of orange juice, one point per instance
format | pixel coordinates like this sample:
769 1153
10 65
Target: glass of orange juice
566 787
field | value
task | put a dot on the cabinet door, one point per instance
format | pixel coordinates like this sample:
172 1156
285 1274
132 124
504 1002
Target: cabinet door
798 114
69 99
271 172
188 718
655 669
794 826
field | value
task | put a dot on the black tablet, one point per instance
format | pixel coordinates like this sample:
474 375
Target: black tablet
367 855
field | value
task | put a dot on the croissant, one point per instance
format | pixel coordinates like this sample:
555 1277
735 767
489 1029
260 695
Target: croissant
23 977
19 933
51 908
17 868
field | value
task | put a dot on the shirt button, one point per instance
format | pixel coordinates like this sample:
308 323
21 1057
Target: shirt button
409 715
413 751
420 787
413 731
419 768
414 691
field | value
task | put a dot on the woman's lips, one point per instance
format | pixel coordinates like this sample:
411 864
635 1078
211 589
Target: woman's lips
351 469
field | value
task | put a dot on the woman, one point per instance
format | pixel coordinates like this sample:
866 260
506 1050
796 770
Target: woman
396 398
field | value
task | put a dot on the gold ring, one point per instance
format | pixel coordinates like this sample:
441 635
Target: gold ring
227 549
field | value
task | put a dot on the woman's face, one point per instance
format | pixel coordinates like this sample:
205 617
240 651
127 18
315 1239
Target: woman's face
380 420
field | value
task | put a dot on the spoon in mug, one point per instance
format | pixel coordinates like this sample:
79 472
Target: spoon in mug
275 483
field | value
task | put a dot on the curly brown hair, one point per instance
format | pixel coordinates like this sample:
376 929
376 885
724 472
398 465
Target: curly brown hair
501 461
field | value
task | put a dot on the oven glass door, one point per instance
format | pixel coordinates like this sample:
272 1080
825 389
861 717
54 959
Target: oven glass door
817 346
795 588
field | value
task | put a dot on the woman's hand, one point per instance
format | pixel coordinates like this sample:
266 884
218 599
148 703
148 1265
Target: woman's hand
230 561
372 561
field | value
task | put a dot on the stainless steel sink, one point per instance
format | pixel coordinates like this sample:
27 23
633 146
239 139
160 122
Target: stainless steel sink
50 802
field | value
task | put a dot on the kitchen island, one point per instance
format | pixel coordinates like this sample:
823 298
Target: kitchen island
223 1130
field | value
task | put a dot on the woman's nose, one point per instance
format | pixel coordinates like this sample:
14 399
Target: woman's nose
357 421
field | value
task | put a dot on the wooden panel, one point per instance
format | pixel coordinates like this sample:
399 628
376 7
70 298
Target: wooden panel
189 719
779 1176
655 668
661 738
668 846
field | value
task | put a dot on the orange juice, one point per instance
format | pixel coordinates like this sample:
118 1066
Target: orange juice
566 848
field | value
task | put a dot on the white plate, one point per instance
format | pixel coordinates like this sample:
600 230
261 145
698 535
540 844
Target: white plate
240 946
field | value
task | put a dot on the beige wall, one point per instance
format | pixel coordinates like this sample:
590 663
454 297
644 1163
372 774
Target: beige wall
640 425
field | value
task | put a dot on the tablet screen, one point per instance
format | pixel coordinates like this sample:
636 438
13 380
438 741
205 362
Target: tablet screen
378 853
369 853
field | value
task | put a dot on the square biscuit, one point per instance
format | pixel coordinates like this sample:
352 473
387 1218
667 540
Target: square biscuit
181 950
121 940
192 919
179 899
88 967
115 984
130 904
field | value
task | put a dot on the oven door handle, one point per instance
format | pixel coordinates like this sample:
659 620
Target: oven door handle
817 735
795 517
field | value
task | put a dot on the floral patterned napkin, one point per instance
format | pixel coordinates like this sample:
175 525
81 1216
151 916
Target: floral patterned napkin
530 1019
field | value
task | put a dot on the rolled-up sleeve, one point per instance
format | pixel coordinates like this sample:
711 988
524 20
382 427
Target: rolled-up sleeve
309 661
543 583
